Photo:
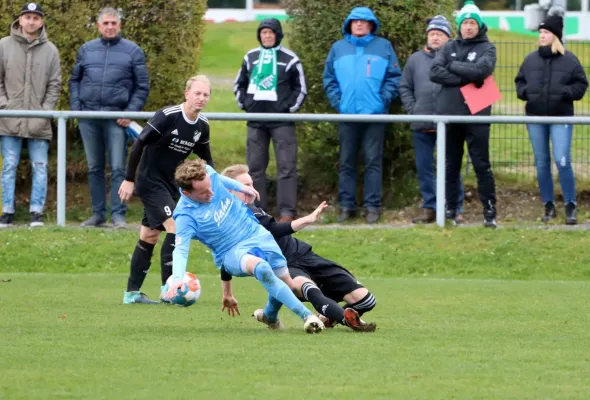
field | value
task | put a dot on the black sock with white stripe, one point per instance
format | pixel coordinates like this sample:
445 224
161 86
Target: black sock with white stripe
324 305
140 265
364 305
166 256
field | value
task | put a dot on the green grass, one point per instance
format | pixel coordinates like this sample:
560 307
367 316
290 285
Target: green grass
67 336
436 339
525 254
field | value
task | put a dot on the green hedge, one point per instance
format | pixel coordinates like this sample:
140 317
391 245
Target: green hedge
170 33
315 25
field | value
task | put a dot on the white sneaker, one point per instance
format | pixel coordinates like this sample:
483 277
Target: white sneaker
260 317
313 324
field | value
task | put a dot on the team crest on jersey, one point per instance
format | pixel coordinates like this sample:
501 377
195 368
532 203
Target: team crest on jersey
196 136
471 56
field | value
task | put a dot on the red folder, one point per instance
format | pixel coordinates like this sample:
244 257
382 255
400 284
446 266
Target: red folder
478 99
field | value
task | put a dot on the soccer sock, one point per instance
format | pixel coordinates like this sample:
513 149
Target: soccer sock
140 265
321 303
271 310
279 290
166 256
364 305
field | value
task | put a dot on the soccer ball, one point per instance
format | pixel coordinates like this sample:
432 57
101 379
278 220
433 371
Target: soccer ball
189 292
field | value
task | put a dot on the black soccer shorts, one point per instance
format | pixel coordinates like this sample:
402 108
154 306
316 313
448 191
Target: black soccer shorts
158 205
332 279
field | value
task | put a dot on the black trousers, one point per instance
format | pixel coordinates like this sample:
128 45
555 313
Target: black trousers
285 146
477 137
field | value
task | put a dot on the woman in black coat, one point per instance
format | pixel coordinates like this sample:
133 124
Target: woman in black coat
550 80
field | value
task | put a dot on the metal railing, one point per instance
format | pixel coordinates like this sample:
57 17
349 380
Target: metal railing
440 120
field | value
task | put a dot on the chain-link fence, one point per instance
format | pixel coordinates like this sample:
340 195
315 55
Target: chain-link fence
510 149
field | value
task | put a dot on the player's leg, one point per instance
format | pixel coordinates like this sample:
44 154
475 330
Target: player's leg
360 300
280 290
159 202
140 265
166 257
305 288
331 283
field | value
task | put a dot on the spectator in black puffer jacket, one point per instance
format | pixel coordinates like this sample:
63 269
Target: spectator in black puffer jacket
109 75
550 80
470 58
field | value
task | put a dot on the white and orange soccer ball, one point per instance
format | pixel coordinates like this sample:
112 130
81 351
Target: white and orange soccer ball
190 291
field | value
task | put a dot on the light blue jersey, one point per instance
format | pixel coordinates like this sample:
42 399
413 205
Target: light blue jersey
231 231
220 224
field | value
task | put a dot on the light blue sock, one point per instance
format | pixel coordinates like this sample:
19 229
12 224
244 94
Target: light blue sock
271 310
279 290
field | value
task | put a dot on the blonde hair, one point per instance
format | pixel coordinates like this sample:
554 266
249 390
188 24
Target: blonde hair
198 78
557 46
233 171
189 171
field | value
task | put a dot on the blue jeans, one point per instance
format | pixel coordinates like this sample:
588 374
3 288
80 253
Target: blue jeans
11 149
561 139
424 145
353 137
101 137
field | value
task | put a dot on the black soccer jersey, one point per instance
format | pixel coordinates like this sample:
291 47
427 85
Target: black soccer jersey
167 140
292 248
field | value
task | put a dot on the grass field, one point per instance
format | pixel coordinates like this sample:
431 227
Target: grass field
503 317
461 313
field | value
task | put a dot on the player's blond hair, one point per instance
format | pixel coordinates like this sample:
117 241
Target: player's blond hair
189 171
233 171
198 78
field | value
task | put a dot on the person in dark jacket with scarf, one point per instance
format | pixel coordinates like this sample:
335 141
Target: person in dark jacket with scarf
550 79
109 75
418 95
271 80
470 58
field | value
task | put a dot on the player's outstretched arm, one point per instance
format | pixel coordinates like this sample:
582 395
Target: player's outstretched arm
231 184
229 302
148 135
302 222
184 234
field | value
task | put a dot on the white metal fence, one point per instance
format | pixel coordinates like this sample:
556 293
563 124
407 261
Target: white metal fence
440 120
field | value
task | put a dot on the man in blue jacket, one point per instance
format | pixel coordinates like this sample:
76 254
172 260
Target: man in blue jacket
361 76
109 75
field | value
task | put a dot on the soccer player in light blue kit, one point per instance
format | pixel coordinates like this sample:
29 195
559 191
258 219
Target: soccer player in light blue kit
208 212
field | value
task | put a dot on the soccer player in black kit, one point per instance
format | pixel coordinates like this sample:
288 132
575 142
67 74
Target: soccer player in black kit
320 281
164 143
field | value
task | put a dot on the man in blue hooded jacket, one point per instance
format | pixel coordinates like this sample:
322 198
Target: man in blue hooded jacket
361 76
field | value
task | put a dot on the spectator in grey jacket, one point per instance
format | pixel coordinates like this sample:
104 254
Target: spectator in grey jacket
109 75
470 58
30 79
418 95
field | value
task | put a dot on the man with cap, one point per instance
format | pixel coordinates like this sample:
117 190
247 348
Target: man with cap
418 95
30 79
271 80
470 58
361 76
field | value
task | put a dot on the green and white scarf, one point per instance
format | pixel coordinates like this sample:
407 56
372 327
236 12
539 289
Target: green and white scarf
263 80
